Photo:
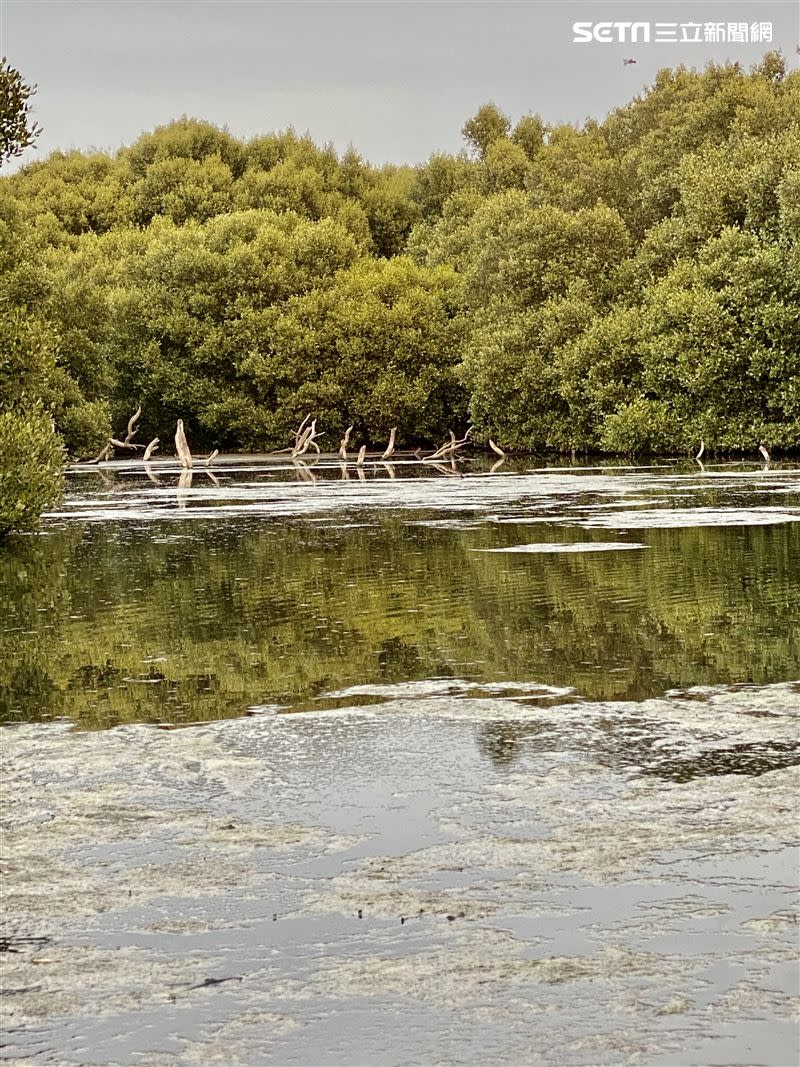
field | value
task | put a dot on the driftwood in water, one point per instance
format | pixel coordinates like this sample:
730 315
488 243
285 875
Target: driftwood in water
314 435
496 449
300 429
442 450
306 438
132 428
210 459
105 453
449 448
303 436
115 443
303 441
390 447
345 441
361 453
298 435
182 445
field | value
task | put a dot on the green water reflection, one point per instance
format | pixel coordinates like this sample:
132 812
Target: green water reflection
107 623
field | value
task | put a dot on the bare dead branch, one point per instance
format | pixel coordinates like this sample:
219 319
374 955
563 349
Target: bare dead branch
307 439
151 448
303 441
361 453
496 449
132 425
126 444
182 445
390 448
451 446
103 454
345 441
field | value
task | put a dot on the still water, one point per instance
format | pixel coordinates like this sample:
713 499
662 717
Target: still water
478 767
153 603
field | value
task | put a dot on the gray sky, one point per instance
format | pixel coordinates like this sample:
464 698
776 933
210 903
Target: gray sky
396 79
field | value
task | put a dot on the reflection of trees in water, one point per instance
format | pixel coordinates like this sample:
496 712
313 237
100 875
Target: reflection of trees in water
201 620
398 660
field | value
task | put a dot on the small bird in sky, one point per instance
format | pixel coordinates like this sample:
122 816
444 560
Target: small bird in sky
628 62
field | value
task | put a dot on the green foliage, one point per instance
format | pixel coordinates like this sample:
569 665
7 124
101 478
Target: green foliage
243 324
18 131
486 126
626 285
529 133
49 344
575 170
31 463
438 181
377 348
641 289
73 193
188 139
504 166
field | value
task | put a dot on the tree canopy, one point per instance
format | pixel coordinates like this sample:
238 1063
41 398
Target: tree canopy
626 285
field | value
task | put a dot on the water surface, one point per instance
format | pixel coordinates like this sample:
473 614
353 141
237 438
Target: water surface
149 602
483 768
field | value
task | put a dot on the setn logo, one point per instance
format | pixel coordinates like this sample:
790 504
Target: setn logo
610 32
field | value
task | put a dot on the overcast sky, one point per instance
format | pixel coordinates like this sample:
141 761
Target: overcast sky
396 79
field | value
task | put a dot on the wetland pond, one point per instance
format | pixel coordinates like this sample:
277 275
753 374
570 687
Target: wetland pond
306 765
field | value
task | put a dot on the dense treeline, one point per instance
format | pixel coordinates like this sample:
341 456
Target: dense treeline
626 286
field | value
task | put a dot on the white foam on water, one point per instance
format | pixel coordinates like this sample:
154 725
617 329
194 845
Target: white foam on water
555 547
